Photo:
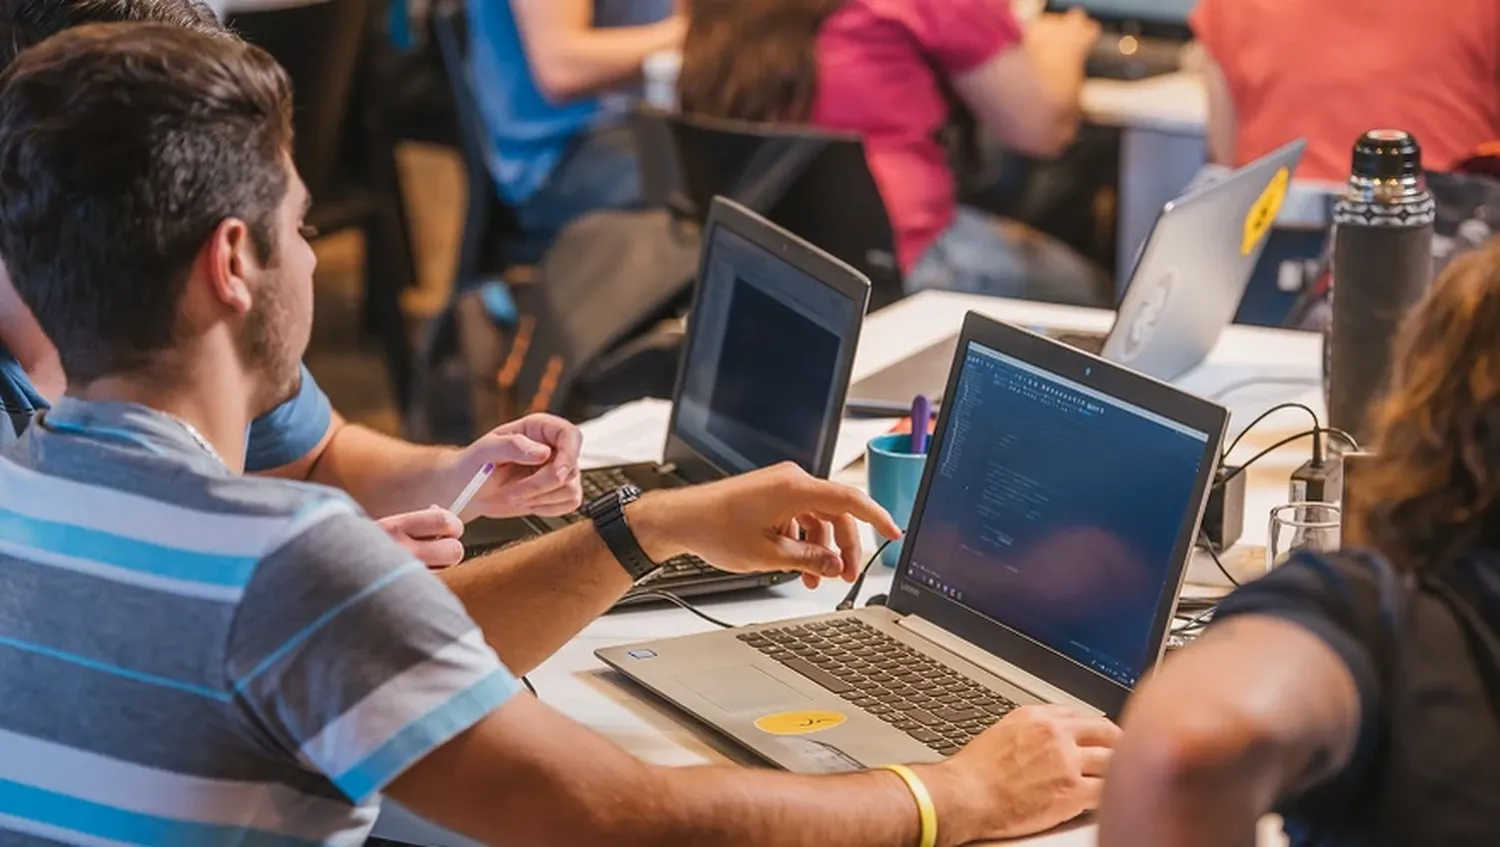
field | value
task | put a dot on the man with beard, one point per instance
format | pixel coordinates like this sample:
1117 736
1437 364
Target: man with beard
301 437
190 655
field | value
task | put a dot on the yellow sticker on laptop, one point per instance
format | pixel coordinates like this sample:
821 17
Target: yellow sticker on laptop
799 723
1263 214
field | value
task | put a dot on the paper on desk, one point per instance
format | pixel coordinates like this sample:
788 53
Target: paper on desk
853 436
637 432
634 432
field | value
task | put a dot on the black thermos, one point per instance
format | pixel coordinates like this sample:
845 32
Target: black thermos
1382 264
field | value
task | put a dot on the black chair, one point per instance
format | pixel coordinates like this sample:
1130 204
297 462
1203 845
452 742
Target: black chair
344 153
828 196
492 238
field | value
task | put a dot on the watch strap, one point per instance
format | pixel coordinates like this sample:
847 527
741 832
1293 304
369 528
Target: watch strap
608 514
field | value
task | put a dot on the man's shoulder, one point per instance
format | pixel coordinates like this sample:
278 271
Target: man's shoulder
160 500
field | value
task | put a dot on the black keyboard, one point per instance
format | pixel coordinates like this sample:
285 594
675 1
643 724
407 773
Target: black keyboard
1088 342
916 694
598 483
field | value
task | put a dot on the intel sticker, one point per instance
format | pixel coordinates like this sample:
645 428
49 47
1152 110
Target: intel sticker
642 654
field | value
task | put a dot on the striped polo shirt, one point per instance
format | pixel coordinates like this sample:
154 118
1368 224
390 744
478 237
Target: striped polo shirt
188 656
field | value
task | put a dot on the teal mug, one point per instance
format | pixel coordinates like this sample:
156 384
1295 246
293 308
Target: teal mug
895 475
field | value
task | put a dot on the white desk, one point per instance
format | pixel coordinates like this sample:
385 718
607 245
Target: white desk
574 682
1163 143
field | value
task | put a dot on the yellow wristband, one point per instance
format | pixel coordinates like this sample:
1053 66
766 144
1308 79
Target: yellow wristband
926 812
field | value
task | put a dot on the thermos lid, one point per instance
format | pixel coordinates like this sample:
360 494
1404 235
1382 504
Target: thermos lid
1387 154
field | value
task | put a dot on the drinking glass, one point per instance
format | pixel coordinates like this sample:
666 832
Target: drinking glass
1301 526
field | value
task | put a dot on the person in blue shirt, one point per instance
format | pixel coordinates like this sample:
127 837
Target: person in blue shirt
304 437
552 77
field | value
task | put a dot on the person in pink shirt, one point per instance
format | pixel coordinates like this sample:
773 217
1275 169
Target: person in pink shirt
885 69
1329 70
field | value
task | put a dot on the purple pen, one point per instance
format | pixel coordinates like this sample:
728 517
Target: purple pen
472 488
921 417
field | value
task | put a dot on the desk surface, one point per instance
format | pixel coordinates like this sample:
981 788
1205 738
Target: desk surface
1173 103
574 682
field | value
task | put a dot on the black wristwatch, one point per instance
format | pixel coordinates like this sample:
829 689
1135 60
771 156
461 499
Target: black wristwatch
608 514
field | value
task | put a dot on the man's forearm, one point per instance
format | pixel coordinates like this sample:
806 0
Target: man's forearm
565 785
385 475
733 806
530 599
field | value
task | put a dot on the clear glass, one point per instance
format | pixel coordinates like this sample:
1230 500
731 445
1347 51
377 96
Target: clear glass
1301 526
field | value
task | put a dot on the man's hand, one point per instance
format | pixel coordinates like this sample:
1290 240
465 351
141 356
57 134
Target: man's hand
431 535
1039 767
775 519
536 469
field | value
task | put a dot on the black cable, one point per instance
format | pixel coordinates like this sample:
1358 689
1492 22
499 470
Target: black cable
686 606
1209 547
1266 414
859 583
1263 380
1277 446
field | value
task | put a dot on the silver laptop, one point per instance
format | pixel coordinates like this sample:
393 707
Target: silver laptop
1186 287
1047 547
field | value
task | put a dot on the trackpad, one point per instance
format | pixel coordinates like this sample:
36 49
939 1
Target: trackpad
742 688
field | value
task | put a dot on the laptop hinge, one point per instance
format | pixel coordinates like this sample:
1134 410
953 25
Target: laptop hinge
1034 685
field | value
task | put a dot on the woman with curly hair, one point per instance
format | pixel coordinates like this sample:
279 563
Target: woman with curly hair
1356 693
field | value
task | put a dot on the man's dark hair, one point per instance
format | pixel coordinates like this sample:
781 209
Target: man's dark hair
122 149
27 23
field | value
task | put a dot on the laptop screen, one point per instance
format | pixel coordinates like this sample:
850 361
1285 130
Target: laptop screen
762 357
1054 510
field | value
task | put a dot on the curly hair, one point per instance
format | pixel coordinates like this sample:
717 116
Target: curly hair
1432 493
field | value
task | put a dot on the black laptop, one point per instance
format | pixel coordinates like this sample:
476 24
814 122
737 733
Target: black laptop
770 344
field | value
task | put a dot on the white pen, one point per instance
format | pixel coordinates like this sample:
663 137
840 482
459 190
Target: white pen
472 488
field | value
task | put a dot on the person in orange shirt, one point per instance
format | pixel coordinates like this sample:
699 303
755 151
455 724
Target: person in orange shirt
1329 70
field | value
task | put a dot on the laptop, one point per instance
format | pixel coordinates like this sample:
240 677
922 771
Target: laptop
1187 284
1047 546
770 344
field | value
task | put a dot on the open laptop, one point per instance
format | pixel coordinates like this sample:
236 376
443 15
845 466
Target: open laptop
1187 285
1047 546
770 343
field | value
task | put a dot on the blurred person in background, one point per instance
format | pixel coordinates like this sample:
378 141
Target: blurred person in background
1356 693
888 70
550 77
1329 71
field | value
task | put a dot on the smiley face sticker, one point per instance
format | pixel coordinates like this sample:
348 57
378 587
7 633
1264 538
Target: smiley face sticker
1263 214
799 723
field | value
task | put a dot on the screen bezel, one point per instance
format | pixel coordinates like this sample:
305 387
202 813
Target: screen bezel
909 597
686 460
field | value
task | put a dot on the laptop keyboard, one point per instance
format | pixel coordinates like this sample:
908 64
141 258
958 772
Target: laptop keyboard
916 694
598 483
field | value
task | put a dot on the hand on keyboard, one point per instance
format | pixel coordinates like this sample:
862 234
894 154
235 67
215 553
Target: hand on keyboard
777 519
1038 767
